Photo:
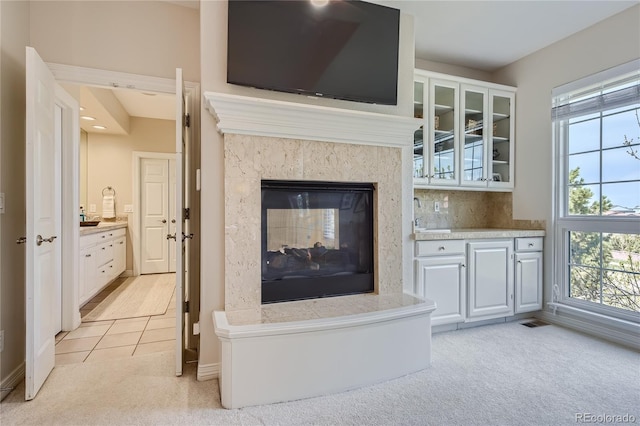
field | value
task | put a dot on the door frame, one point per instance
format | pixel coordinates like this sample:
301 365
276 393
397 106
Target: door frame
136 228
107 79
70 198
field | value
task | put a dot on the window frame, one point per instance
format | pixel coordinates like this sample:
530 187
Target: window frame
563 223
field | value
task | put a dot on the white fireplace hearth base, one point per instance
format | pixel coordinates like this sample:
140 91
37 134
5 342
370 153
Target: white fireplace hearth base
308 348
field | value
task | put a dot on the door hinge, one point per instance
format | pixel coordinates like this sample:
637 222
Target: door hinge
186 213
186 306
187 120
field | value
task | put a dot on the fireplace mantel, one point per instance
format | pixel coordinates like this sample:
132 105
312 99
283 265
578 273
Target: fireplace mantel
266 117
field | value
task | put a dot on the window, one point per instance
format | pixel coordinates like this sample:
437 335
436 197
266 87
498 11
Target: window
596 124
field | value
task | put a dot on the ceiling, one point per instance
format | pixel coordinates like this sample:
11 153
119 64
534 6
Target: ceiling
483 35
487 35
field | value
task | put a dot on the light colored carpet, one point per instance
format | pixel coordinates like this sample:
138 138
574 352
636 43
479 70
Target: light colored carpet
503 374
139 296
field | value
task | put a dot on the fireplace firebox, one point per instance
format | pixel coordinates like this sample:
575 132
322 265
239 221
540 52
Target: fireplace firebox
317 239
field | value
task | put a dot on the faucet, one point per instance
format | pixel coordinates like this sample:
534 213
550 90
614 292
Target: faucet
416 221
418 200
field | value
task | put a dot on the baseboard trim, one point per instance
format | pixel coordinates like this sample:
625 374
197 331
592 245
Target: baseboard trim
127 273
11 381
594 327
208 371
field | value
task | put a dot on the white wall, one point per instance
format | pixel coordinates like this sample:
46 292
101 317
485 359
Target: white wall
14 36
453 70
602 46
140 37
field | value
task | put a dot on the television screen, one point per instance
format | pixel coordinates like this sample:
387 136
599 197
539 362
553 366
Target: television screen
343 49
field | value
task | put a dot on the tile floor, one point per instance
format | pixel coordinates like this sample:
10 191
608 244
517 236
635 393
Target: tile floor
99 340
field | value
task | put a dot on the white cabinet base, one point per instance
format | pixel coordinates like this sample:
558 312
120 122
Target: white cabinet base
269 363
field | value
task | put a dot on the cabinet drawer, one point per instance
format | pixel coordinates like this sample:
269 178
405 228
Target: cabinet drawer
104 253
439 247
88 240
529 244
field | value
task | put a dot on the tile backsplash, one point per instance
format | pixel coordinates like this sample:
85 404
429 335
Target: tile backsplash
468 209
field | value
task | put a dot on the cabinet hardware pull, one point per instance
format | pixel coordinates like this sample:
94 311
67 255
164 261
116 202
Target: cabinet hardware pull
21 240
530 244
463 265
441 248
87 255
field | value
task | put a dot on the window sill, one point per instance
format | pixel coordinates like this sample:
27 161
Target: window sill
607 327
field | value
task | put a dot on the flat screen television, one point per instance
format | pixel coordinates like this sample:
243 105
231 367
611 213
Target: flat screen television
343 50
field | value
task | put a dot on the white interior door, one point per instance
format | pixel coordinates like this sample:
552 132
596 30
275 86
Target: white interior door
154 208
172 215
43 192
180 219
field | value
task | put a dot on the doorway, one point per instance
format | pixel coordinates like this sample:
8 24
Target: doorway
150 85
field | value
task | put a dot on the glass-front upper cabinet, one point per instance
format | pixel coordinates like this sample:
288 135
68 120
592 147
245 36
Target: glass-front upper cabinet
418 136
443 133
502 134
435 157
466 140
474 142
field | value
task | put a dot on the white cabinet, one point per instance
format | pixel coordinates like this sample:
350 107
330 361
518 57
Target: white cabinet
466 140
528 278
479 279
490 279
441 277
102 259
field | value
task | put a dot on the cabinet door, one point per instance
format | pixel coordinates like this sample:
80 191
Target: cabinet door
443 133
119 255
419 140
501 148
88 269
490 280
528 281
474 135
443 280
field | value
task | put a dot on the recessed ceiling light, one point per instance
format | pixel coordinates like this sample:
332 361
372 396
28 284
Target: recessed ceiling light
88 118
99 127
319 3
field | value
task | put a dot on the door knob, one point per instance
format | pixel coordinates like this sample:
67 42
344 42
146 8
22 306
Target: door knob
40 240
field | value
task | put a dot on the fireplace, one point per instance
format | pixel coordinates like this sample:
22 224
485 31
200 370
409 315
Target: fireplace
317 239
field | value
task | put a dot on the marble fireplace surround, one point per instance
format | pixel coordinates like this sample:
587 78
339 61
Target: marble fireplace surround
267 139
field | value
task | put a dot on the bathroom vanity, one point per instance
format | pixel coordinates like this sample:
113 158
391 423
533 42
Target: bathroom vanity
103 257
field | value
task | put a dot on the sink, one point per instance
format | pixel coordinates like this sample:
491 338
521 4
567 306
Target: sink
432 230
90 223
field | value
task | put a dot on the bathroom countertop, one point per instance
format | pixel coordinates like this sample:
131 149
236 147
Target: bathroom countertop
478 233
102 226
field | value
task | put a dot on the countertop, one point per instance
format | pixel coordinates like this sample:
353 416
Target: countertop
102 226
478 233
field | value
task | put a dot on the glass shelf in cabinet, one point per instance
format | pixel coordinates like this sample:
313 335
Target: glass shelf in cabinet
439 108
